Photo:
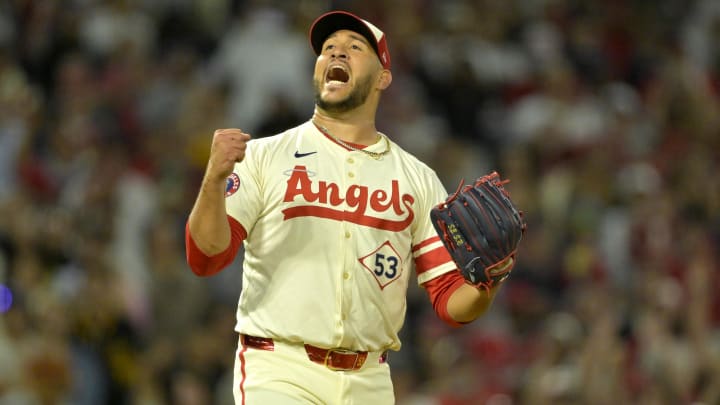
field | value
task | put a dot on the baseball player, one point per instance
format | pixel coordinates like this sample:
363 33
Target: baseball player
333 216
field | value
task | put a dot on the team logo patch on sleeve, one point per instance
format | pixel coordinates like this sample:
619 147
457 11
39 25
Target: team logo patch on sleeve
233 184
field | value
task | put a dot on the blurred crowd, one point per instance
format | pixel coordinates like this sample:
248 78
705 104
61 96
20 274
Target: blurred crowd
605 116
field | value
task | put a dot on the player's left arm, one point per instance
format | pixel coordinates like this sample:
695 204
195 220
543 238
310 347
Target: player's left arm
454 300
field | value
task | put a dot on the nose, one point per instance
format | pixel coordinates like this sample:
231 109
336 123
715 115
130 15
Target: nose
339 52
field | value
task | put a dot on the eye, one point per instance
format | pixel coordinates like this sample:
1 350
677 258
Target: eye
358 46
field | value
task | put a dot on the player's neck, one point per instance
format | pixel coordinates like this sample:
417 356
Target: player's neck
357 130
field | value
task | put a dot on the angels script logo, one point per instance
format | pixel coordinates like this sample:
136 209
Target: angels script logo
327 199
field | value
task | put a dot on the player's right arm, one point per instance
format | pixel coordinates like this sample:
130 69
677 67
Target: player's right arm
209 228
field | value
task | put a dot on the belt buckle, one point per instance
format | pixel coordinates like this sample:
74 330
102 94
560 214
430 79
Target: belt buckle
342 351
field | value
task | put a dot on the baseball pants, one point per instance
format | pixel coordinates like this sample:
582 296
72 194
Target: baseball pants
282 373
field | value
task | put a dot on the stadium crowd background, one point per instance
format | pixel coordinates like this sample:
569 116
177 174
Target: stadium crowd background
605 115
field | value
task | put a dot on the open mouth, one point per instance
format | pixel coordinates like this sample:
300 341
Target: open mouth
337 74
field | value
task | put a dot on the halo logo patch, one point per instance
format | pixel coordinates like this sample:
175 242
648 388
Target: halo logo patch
233 184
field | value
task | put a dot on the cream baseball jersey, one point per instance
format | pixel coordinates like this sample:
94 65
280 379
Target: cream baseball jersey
333 235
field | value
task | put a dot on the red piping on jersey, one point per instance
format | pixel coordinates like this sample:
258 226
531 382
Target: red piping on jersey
425 243
242 372
204 265
432 259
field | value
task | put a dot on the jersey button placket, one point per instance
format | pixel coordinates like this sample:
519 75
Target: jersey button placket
350 167
345 290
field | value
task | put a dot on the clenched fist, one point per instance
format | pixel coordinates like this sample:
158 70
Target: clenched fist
228 147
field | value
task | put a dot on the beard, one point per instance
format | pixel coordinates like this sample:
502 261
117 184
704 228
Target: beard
355 99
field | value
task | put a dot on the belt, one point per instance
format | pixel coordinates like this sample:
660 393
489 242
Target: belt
336 359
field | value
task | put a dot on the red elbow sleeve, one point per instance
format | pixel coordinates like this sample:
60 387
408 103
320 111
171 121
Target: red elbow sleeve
204 265
439 290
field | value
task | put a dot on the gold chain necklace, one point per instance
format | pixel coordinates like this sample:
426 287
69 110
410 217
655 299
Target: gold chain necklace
374 155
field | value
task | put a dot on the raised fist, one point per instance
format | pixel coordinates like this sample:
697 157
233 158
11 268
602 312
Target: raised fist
228 148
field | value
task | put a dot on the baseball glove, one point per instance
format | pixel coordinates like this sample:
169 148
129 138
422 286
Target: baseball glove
481 229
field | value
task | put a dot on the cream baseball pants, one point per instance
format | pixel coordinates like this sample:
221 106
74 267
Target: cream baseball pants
282 374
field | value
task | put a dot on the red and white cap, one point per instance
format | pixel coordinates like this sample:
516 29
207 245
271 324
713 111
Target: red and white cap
333 21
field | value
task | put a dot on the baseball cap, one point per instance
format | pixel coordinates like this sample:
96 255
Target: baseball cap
333 21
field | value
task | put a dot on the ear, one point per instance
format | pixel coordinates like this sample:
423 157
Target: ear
384 80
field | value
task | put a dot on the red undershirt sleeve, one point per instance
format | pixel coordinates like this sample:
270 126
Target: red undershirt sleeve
204 265
439 290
